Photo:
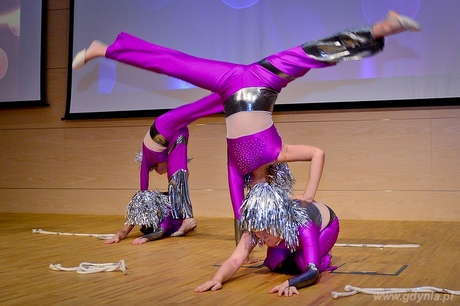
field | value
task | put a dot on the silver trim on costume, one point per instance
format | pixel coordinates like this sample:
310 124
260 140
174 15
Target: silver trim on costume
250 99
313 213
157 137
181 206
269 66
138 157
180 140
238 230
349 45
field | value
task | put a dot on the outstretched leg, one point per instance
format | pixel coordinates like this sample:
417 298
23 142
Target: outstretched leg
134 51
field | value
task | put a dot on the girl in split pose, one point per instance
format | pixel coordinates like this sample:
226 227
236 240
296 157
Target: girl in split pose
249 92
157 214
298 234
164 149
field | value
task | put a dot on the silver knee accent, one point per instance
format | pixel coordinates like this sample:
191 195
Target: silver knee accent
348 45
181 206
238 230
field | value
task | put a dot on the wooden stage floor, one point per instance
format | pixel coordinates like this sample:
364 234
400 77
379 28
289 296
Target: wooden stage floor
166 271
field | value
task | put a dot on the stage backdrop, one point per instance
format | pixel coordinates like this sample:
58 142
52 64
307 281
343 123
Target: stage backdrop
22 69
414 69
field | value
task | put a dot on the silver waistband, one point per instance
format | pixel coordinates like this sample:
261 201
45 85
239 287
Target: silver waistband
251 99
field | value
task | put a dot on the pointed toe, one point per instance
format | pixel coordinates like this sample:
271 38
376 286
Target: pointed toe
79 60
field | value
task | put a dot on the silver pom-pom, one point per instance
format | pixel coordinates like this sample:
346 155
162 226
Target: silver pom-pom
138 157
148 208
269 207
280 174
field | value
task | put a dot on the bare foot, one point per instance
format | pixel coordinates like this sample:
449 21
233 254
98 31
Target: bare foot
140 240
96 49
394 24
188 225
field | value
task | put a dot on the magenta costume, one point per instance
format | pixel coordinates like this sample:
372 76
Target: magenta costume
252 87
160 214
170 130
304 248
156 213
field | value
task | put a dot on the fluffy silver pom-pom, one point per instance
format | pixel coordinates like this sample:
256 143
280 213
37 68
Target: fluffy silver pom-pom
280 174
269 207
148 208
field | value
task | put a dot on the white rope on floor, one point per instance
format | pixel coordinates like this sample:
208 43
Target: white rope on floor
377 245
351 290
100 236
88 267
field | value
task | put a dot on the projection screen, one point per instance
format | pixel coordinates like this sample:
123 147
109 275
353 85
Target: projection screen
414 68
22 76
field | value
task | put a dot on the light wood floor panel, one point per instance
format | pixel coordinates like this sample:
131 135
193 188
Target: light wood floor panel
165 272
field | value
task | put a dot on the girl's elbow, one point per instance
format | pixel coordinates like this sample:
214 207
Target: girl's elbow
320 153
